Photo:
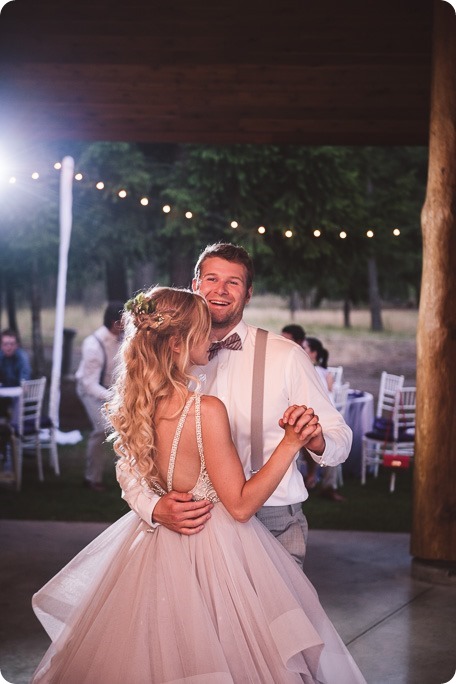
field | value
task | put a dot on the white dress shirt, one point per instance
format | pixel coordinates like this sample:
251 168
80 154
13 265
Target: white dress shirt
290 378
89 371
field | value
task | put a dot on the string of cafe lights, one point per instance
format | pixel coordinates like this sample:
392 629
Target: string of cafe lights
145 201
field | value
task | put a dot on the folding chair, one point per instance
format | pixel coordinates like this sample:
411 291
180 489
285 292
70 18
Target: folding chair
27 429
340 398
394 450
337 372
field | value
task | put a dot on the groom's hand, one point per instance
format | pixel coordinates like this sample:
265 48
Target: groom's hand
179 513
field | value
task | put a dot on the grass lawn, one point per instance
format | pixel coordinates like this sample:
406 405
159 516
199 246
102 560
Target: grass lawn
370 507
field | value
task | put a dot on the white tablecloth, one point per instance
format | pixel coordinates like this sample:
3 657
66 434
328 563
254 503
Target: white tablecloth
359 415
12 393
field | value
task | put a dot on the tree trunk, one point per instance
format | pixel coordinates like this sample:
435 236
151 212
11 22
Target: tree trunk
374 295
116 279
11 308
434 500
181 261
294 303
347 311
38 360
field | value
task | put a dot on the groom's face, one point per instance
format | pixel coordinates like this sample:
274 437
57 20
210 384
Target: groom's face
224 286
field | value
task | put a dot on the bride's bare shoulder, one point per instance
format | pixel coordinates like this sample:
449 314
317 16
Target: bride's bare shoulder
212 407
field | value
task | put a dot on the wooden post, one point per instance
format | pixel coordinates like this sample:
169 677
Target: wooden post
434 508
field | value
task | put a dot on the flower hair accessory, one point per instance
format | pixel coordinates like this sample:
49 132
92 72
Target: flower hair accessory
140 306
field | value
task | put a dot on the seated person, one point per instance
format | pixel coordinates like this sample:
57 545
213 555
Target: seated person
14 361
14 366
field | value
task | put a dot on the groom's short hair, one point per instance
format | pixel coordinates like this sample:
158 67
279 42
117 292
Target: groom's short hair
229 252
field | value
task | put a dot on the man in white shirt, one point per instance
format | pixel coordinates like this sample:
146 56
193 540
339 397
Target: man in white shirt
224 274
93 378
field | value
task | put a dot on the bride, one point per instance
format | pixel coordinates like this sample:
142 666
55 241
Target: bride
143 605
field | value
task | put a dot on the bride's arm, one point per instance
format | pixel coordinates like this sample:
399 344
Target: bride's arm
241 497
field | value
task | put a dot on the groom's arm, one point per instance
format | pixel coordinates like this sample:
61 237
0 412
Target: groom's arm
175 510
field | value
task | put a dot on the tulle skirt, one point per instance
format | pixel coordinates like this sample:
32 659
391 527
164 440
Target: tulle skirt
227 605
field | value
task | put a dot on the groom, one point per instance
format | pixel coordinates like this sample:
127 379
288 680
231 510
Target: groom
224 276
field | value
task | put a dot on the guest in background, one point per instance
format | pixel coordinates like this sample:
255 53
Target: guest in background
94 376
319 357
14 367
14 361
295 333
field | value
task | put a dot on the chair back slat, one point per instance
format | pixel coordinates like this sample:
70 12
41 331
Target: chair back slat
30 405
389 384
340 397
404 410
337 372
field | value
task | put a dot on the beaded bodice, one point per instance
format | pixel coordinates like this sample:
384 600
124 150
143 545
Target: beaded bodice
203 488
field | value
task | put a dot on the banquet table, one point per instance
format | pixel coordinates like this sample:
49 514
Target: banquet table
359 415
12 393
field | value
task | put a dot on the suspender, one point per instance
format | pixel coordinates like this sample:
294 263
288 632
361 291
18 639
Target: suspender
103 369
256 416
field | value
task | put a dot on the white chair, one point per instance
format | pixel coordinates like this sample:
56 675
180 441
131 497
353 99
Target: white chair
340 397
27 429
394 450
389 384
337 372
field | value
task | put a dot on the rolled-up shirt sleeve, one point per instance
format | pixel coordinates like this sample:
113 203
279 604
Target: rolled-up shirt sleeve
141 499
305 387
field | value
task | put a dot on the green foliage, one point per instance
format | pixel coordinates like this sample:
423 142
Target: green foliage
278 187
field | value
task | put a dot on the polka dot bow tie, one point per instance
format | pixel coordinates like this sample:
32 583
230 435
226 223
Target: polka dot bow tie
231 342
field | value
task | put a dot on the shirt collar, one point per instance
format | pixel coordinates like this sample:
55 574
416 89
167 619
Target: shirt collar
241 329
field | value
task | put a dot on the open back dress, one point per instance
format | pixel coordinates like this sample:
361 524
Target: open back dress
150 606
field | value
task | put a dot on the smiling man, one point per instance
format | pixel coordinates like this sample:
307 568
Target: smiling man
224 276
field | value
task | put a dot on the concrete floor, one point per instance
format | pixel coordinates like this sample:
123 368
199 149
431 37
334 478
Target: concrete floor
399 630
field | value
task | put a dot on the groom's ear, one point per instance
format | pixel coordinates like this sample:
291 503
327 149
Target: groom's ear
195 284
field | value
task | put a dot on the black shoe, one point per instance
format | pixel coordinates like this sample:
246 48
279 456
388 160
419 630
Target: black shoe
332 495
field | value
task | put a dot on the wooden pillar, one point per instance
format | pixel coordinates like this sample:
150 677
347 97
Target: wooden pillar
434 508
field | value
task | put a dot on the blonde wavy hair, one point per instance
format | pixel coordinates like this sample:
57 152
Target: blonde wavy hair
149 371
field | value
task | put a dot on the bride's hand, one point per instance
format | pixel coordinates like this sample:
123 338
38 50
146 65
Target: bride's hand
301 425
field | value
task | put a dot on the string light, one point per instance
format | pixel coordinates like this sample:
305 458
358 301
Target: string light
144 201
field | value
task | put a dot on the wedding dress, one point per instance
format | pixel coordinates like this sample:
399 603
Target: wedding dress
150 606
